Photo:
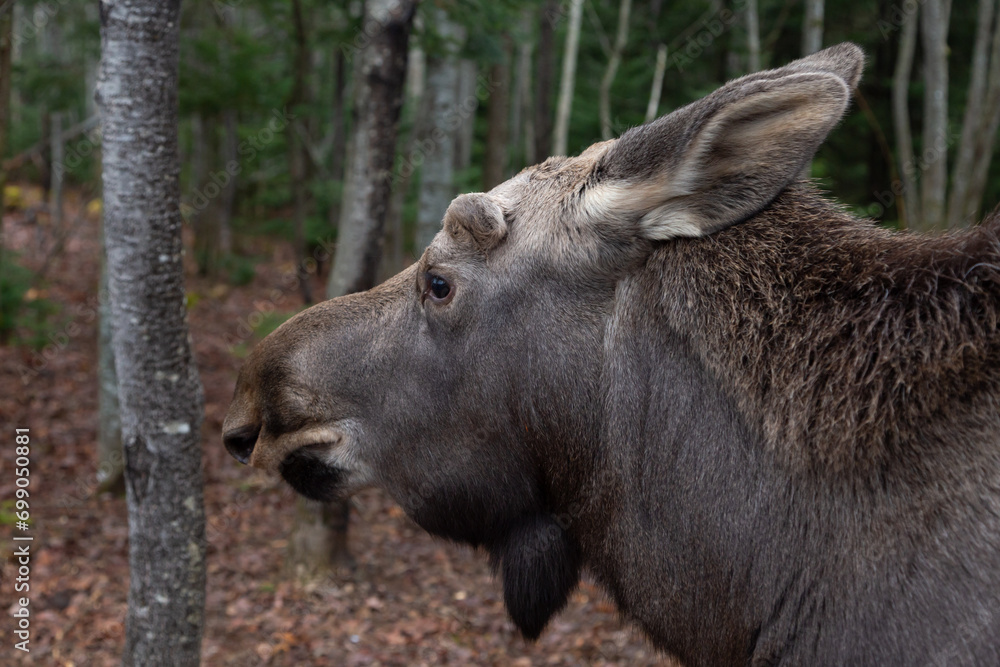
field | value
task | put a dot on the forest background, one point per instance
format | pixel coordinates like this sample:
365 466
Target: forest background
272 102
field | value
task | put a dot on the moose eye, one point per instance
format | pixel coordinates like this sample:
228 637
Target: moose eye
438 287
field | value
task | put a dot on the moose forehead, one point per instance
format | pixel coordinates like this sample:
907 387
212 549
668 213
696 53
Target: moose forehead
544 210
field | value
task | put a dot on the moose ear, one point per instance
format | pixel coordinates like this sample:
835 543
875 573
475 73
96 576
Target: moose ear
724 158
477 216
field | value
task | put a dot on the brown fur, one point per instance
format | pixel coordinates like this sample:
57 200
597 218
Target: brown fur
843 341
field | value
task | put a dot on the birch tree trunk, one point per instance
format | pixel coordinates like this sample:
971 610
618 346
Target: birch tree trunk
621 38
110 462
402 176
653 106
159 390
989 123
910 212
338 121
568 80
972 124
544 81
812 27
378 98
464 110
438 146
934 30
753 36
522 139
495 158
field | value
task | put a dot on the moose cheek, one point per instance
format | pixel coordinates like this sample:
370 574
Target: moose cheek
312 477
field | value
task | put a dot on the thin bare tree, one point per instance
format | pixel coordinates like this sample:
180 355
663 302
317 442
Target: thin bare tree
910 211
565 106
159 389
963 200
496 155
753 36
934 17
444 118
621 38
812 27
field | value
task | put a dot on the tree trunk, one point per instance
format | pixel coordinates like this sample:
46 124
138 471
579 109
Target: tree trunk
296 150
495 158
438 147
465 103
522 139
230 155
812 27
6 43
58 171
568 78
753 36
319 537
160 393
934 30
545 74
621 37
910 210
972 121
338 119
652 108
989 123
403 174
110 461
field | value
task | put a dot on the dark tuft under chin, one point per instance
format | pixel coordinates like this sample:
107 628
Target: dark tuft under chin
309 475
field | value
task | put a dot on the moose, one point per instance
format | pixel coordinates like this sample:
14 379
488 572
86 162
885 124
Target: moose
768 429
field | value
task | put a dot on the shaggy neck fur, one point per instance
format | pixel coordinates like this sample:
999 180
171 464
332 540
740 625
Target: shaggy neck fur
847 342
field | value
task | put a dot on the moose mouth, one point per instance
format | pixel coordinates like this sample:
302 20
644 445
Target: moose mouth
309 472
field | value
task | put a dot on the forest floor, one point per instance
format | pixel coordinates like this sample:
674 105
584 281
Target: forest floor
411 599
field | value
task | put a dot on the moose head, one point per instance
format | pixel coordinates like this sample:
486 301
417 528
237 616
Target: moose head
531 384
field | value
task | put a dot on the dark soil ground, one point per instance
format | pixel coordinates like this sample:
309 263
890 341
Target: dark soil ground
411 600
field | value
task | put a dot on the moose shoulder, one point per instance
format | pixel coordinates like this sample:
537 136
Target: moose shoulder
769 429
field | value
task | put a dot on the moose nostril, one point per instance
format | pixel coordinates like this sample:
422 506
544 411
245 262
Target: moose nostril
240 442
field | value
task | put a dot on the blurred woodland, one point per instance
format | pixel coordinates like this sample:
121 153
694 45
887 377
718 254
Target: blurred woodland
319 144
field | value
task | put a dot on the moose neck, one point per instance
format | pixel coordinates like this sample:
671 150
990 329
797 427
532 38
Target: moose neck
751 476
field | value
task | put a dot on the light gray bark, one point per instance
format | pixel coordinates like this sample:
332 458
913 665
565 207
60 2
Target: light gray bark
404 169
522 139
565 105
753 36
910 211
604 98
110 459
159 390
989 124
378 98
653 106
934 31
445 114
466 101
972 122
812 27
318 541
